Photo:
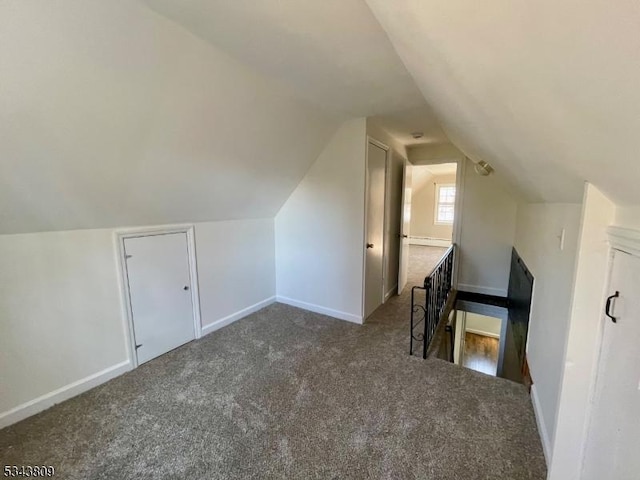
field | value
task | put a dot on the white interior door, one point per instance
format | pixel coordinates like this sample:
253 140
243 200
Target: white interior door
374 248
159 289
405 227
614 432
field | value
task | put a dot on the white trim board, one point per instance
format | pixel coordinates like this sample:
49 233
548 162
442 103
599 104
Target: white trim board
430 242
499 292
321 310
388 295
482 333
625 239
61 394
73 389
542 430
229 319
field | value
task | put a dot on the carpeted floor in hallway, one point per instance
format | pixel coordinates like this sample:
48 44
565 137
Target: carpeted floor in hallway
286 393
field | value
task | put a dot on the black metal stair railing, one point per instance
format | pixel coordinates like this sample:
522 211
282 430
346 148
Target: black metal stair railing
425 315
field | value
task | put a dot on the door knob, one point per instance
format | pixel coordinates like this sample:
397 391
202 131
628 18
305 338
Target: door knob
186 287
404 236
369 245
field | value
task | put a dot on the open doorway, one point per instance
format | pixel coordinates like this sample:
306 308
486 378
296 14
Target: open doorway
433 204
478 342
432 214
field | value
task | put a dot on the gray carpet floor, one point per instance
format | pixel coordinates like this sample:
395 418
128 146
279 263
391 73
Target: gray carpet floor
286 393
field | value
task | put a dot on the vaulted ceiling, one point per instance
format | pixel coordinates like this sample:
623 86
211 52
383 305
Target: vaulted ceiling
422 174
546 91
331 52
162 111
112 114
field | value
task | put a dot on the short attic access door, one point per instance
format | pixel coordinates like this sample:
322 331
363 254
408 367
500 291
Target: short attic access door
160 291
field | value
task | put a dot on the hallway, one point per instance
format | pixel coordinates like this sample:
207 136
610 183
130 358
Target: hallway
396 310
421 261
286 393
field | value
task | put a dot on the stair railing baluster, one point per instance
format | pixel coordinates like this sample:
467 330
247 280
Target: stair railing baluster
437 286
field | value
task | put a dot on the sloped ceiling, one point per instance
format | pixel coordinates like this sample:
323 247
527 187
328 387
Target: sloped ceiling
401 124
546 91
422 174
158 111
112 115
333 53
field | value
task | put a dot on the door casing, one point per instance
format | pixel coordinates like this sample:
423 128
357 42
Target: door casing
461 168
405 225
119 238
384 147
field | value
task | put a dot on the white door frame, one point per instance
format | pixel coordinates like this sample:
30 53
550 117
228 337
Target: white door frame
407 166
461 167
120 236
381 145
457 219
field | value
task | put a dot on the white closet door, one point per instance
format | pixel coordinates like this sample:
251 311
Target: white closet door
159 289
374 248
613 440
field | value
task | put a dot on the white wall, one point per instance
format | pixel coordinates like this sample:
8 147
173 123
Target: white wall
579 368
628 216
431 153
488 218
393 203
423 202
483 324
110 104
236 267
61 313
538 232
320 230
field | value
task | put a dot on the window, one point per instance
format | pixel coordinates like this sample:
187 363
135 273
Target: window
445 204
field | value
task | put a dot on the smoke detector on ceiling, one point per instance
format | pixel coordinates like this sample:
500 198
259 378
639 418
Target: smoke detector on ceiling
417 135
483 168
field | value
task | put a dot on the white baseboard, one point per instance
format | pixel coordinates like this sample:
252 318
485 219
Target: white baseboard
499 292
223 322
48 400
542 429
482 333
430 242
391 291
322 310
76 388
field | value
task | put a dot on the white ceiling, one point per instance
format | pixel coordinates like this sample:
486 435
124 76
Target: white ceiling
114 113
438 169
421 174
111 115
402 124
547 92
333 53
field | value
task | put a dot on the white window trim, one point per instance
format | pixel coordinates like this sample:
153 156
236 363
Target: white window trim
437 203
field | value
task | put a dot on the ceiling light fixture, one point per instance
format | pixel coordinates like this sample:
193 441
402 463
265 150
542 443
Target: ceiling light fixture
417 135
483 168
